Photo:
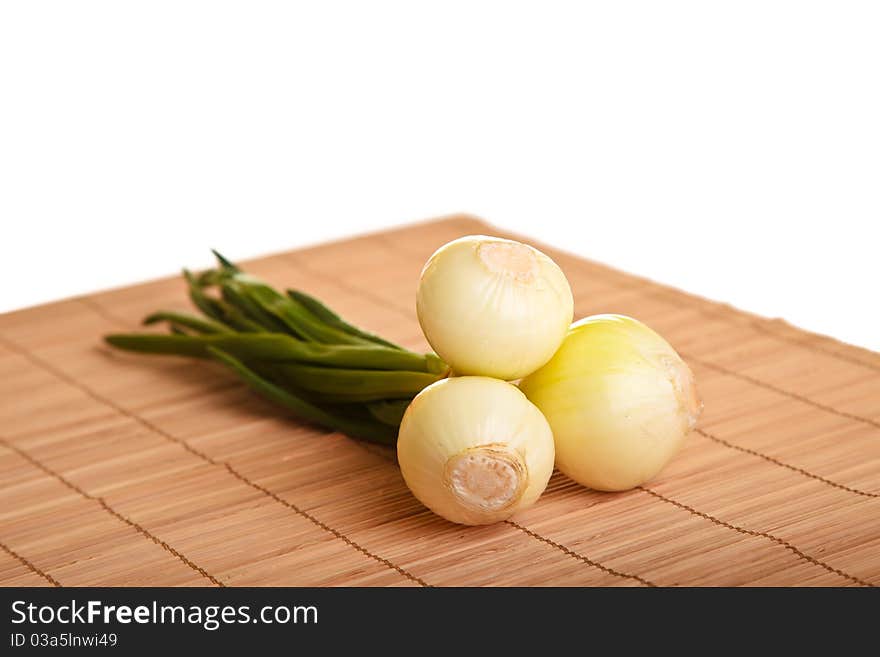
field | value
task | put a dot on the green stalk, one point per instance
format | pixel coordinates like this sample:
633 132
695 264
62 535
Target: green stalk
361 385
324 314
218 309
224 263
292 314
186 320
330 399
200 300
373 431
321 313
389 412
274 347
234 294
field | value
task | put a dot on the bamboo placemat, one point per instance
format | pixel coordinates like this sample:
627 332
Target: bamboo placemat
117 469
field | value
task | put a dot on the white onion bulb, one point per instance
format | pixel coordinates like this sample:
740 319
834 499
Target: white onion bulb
474 450
619 399
493 307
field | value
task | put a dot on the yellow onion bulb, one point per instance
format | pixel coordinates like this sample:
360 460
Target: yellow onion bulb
493 307
619 400
474 450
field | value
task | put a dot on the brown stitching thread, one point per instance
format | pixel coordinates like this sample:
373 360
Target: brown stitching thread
578 556
669 295
533 534
149 425
110 510
662 292
15 555
330 529
753 532
98 309
809 346
793 395
793 468
659 291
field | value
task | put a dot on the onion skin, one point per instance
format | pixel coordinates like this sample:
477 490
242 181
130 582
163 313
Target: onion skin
474 450
493 307
619 399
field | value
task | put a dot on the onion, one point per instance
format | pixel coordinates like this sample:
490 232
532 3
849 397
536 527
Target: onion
619 400
493 307
474 450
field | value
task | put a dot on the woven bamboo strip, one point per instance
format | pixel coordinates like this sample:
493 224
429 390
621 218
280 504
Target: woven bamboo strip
15 570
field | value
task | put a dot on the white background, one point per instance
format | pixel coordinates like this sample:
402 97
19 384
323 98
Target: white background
728 148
